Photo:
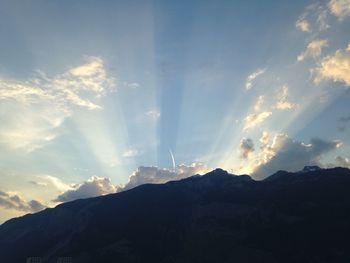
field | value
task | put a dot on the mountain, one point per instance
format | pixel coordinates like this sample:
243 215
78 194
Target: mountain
217 217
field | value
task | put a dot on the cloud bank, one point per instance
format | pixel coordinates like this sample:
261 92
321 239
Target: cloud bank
95 186
285 153
155 175
16 202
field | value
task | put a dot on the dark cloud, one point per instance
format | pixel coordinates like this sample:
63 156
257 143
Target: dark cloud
291 155
36 206
246 147
15 202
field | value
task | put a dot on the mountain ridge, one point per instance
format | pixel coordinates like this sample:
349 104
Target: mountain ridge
184 218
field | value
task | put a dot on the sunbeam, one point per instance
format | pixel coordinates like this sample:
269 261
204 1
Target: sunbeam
106 96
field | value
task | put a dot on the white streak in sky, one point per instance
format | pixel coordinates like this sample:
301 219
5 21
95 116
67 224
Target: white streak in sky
173 159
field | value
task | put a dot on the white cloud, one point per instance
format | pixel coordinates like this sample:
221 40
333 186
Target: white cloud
95 186
154 114
94 68
46 180
255 119
339 8
195 168
335 67
285 153
259 103
132 85
246 148
265 138
130 153
155 175
250 79
33 111
14 201
284 105
303 25
282 102
313 49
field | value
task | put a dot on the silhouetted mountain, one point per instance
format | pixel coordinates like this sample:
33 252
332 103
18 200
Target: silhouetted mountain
217 217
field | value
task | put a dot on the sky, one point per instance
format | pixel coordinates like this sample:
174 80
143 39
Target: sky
98 97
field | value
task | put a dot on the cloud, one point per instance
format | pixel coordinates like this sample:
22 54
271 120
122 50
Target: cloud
14 201
342 161
265 138
282 102
246 148
33 111
335 67
313 49
259 103
254 119
94 68
250 79
35 206
154 114
42 184
95 186
285 153
132 85
339 8
314 17
303 25
155 175
45 180
130 153
322 20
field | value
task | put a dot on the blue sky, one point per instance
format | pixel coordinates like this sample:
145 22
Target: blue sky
98 96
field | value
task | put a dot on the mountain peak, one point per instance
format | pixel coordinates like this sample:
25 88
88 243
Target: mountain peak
217 171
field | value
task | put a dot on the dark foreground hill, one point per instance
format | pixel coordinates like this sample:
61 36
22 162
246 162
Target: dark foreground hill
218 217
